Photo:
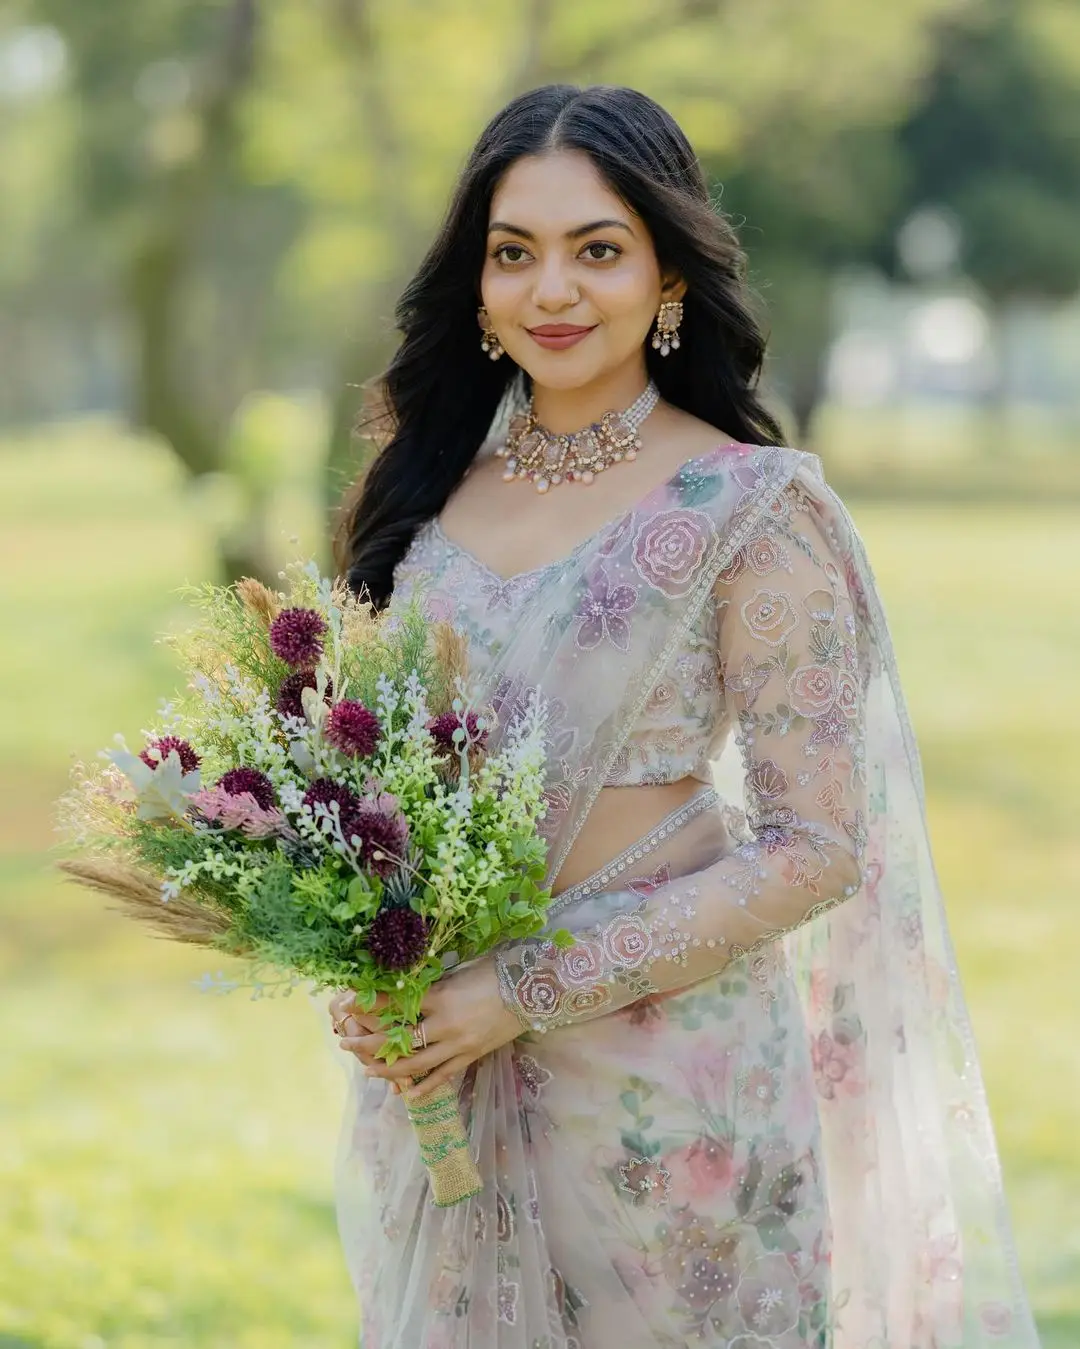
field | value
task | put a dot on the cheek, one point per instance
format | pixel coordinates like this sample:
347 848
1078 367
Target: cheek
501 292
629 292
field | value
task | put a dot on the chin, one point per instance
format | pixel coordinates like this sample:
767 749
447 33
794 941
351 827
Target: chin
561 370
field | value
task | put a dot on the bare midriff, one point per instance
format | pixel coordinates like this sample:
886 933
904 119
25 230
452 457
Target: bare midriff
619 816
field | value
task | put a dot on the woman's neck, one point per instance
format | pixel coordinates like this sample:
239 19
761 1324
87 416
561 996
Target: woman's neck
563 411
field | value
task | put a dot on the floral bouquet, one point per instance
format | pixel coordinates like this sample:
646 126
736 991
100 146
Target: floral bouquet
320 801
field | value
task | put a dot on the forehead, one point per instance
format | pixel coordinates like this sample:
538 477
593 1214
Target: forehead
555 192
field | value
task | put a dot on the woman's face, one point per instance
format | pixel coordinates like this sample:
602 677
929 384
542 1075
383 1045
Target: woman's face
571 281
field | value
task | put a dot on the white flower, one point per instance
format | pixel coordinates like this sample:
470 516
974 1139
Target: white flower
162 792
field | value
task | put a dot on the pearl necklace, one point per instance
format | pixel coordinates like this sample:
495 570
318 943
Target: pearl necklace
531 451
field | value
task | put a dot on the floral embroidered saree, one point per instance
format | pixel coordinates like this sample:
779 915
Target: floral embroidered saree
745 1110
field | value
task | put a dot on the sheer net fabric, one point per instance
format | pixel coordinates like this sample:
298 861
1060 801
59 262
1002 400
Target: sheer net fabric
745 1110
790 670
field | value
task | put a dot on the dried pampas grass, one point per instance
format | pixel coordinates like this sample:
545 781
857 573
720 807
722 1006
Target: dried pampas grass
140 897
259 600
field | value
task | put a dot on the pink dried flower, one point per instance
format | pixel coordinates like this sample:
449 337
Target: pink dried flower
240 811
189 760
353 728
296 637
251 780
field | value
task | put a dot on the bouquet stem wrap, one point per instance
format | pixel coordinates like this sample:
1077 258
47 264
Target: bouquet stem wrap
444 1145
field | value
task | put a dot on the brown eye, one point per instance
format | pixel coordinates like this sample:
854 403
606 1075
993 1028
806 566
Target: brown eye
510 253
602 252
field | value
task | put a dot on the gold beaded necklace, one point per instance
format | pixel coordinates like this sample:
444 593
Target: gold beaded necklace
532 451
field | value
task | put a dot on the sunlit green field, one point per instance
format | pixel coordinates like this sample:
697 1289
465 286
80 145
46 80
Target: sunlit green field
165 1157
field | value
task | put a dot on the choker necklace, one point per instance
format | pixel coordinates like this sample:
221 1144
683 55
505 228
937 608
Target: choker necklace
531 451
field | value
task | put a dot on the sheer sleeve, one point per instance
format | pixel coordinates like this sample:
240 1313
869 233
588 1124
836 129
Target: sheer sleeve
790 670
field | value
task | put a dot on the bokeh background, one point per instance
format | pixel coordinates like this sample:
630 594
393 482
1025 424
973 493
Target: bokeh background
207 208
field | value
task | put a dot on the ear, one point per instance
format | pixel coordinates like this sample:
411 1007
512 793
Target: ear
673 288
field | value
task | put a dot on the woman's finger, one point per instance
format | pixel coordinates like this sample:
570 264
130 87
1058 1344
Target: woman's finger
363 1046
444 1073
412 1065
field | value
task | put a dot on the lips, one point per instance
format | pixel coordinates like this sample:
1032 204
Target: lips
557 336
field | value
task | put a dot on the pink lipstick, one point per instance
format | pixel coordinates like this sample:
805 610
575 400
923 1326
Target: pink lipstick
558 336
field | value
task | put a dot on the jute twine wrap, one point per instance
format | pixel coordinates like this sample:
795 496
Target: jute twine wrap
444 1145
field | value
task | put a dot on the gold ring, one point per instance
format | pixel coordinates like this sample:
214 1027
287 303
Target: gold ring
419 1036
339 1026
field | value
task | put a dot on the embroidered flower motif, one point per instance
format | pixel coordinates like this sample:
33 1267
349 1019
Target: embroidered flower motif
669 548
831 729
626 941
701 1265
767 780
504 1216
759 1088
750 680
602 613
764 555
583 963
502 594
661 698
812 689
508 1300
768 1296
533 1076
539 993
847 697
584 1001
770 616
646 1180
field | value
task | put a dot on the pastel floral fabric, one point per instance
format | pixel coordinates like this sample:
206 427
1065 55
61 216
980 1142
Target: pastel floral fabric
745 1109
789 663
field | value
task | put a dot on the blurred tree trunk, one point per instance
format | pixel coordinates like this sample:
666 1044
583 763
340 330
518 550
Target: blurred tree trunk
799 302
168 399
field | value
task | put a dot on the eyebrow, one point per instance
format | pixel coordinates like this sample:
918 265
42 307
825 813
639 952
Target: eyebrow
578 232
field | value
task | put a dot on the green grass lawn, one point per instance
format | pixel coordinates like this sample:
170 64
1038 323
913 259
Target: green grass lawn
165 1157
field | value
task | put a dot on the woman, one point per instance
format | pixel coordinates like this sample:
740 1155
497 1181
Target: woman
744 1108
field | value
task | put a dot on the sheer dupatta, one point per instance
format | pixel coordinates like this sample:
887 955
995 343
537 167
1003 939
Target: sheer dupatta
921 1251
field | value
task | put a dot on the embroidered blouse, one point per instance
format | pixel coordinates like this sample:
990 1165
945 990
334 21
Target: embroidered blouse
776 659
685 721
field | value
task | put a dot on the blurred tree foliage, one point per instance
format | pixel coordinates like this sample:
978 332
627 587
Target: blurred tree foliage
212 197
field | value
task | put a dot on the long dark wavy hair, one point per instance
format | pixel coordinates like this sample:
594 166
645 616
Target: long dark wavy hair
441 392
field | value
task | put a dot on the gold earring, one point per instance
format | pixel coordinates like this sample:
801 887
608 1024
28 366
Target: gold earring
666 337
489 343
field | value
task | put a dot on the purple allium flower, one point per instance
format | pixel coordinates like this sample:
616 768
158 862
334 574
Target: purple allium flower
442 730
352 728
397 938
292 686
189 760
238 780
325 790
296 637
380 831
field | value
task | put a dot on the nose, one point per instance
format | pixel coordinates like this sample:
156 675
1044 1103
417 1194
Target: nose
553 289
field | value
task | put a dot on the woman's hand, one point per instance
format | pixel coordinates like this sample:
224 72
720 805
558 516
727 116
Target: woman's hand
464 1019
